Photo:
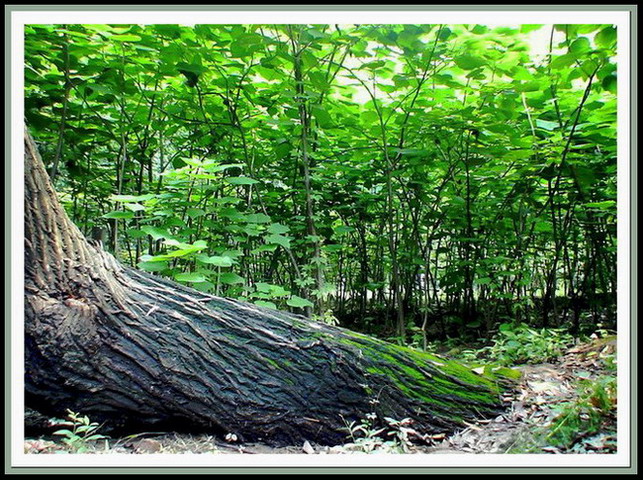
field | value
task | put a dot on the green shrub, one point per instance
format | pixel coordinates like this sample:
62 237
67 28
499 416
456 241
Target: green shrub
393 437
519 343
81 431
585 415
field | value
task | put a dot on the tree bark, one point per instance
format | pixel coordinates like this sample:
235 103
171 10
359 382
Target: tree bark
138 351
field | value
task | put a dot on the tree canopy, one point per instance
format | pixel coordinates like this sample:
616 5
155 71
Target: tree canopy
396 179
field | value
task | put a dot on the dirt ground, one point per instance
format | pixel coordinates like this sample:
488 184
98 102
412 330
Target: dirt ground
530 406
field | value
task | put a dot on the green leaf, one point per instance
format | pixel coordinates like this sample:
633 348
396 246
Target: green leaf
241 180
252 230
195 212
231 213
132 198
184 248
606 205
607 37
134 233
532 86
119 215
609 83
526 28
298 302
580 45
156 233
191 68
125 38
264 248
272 290
283 150
134 207
374 65
153 266
213 167
278 239
262 287
257 218
543 227
190 277
563 61
480 29
217 261
469 62
231 278
323 118
546 124
278 228
344 229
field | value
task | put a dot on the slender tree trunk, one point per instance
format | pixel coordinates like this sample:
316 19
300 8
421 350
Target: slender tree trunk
305 163
135 350
53 173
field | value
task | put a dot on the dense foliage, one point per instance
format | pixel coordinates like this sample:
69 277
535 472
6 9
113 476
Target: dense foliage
427 179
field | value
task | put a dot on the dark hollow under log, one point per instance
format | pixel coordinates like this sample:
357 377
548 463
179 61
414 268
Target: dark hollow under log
135 350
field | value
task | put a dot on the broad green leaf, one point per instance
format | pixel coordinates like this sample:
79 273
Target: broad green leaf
580 45
324 119
252 230
272 290
564 61
298 302
469 62
190 277
607 37
262 287
125 38
231 278
184 249
278 239
156 233
344 229
220 168
609 83
195 212
526 28
132 198
134 207
217 261
119 215
546 124
606 205
257 218
153 266
241 180
191 68
277 228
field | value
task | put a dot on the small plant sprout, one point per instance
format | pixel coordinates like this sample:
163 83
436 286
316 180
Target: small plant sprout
367 438
81 434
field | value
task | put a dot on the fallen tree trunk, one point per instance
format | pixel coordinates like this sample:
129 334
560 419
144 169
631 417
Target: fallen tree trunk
134 350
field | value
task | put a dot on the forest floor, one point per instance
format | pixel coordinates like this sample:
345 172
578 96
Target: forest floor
545 394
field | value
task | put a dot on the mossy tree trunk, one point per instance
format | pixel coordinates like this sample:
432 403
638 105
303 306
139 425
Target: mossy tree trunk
138 351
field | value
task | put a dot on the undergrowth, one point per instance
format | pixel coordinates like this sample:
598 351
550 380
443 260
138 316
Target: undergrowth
367 437
81 432
582 425
514 344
